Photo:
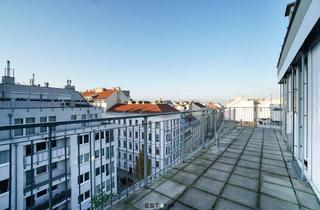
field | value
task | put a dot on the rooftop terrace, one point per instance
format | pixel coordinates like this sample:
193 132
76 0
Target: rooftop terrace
251 170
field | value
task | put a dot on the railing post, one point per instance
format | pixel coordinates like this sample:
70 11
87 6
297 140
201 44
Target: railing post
145 157
50 166
216 129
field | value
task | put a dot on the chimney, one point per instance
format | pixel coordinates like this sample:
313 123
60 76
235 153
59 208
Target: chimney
8 78
69 86
32 80
46 84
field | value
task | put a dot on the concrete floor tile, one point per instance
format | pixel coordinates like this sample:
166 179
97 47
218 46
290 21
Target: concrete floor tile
184 177
222 166
276 179
171 189
244 182
278 191
274 170
267 202
198 199
247 172
217 174
179 206
240 195
209 185
249 164
224 204
195 169
308 200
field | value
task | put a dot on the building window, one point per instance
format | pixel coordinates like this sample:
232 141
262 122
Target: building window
157 164
107 153
4 186
84 158
157 151
54 187
83 139
97 154
74 117
83 178
157 125
130 122
29 177
98 171
30 131
157 137
19 131
84 196
53 143
136 134
96 136
53 119
41 146
54 165
136 145
41 193
43 129
101 134
41 170
107 169
4 156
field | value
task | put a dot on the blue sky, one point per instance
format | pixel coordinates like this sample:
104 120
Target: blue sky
179 49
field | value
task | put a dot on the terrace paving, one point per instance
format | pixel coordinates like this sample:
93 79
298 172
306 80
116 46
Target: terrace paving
251 170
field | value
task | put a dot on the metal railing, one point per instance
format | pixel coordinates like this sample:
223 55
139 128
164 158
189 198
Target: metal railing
103 160
266 117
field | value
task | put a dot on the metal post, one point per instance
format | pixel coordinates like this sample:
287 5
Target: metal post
32 172
78 164
66 169
216 129
110 162
10 175
145 160
50 166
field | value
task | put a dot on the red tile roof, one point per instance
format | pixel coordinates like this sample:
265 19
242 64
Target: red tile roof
98 95
143 108
212 106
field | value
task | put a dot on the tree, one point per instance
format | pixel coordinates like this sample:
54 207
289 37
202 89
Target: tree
99 199
139 167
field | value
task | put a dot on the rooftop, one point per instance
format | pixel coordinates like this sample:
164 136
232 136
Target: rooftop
143 108
251 170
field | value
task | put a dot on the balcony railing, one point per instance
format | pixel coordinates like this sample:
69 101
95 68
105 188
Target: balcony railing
114 158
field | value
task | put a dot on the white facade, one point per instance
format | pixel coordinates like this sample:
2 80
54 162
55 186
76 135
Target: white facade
28 174
299 76
263 112
163 134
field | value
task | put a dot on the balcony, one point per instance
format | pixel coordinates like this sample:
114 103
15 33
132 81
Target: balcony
251 169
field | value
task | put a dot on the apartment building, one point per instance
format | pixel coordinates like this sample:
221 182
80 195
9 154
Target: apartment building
79 161
261 112
165 133
106 98
299 79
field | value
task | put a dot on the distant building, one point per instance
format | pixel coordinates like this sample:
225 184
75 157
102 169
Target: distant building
26 171
106 98
163 134
299 79
260 111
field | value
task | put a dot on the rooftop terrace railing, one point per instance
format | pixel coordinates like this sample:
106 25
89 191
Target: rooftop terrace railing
99 161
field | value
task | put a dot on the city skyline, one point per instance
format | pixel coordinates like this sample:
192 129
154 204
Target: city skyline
114 44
